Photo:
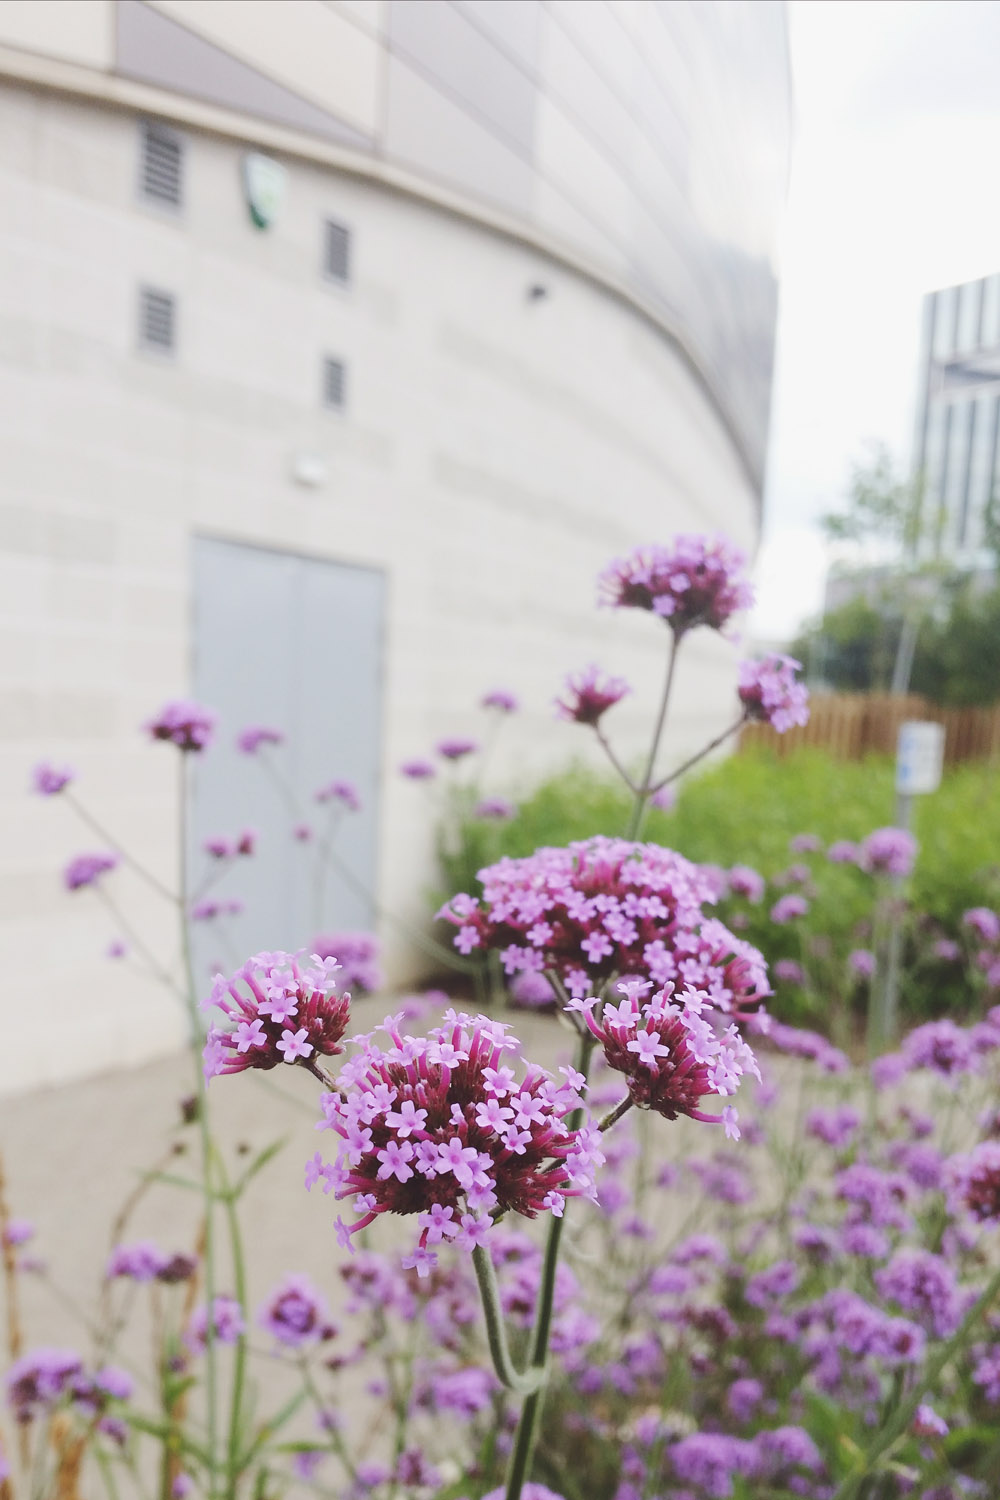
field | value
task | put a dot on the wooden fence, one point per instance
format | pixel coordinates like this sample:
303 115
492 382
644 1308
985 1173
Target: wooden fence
852 725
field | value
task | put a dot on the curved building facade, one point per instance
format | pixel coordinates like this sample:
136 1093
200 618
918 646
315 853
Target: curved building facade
341 344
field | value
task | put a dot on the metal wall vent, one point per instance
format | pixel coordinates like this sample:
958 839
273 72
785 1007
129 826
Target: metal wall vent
334 382
162 164
336 251
157 320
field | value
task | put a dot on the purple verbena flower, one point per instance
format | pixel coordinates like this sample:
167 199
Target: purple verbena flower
789 971
344 792
282 1010
589 694
418 770
228 1324
48 780
18 1232
844 852
974 1182
770 694
142 1261
496 809
861 962
296 1314
788 908
501 700
889 851
608 907
87 869
456 748
744 881
187 725
357 953
834 1127
672 1056
439 1126
250 740
691 582
983 922
798 1042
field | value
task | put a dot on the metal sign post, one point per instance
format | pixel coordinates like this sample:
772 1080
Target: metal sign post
919 761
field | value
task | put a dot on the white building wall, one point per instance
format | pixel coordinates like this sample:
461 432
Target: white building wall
495 453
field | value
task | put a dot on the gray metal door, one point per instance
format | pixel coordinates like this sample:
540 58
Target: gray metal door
293 643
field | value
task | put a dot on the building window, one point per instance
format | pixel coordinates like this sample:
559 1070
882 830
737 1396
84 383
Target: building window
157 321
161 164
334 383
336 252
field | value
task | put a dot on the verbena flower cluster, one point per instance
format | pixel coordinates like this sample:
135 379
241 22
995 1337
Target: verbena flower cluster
45 1379
87 869
770 693
283 1010
441 1127
608 907
692 582
189 726
672 1055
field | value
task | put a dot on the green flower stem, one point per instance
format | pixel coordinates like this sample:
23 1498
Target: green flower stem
523 1382
87 817
229 1198
205 1137
905 1412
531 1410
643 789
693 760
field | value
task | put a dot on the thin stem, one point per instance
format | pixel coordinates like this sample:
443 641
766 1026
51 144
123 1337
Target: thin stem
527 1427
211 1362
158 972
693 760
616 1114
612 757
523 1382
151 880
643 789
240 1357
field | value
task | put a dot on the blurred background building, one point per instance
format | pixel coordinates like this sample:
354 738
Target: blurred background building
956 446
342 342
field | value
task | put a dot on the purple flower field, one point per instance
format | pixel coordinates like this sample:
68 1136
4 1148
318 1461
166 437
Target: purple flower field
691 1250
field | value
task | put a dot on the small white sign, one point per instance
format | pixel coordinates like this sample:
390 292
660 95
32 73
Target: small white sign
919 757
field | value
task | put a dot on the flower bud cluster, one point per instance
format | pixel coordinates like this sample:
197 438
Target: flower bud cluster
440 1126
283 1011
588 695
607 907
692 582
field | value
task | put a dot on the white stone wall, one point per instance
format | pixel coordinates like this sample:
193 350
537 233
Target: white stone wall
494 454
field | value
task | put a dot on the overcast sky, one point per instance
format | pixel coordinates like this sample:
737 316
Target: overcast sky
895 190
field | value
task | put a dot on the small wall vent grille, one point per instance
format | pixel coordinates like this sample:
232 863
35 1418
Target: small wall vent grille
334 383
336 251
162 164
157 320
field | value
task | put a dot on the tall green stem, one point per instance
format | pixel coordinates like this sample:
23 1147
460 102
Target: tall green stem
211 1362
531 1411
643 789
240 1356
